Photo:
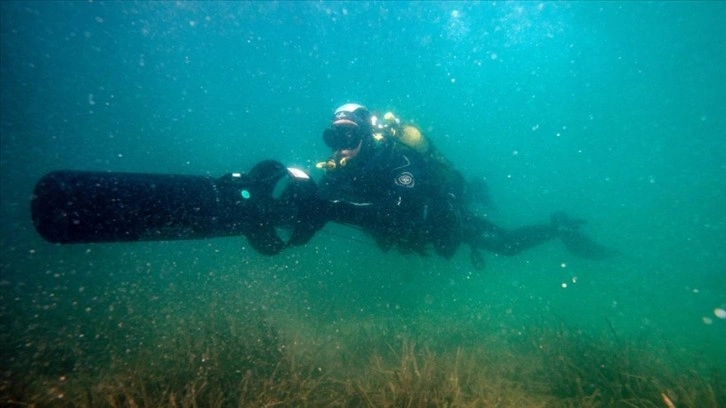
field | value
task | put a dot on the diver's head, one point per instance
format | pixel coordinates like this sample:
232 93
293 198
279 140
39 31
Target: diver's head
350 127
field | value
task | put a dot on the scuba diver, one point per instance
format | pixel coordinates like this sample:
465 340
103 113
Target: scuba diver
384 177
388 178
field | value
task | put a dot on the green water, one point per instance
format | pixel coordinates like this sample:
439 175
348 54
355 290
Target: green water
611 111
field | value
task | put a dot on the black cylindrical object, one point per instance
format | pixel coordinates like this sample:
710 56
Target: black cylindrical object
79 207
76 207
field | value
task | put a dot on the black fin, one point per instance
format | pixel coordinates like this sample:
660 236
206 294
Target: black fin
477 259
580 245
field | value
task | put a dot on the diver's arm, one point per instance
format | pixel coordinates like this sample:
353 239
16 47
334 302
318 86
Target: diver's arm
388 211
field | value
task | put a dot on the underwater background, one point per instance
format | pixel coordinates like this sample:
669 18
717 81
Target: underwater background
611 111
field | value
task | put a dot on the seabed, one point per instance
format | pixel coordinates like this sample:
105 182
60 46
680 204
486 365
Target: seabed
232 359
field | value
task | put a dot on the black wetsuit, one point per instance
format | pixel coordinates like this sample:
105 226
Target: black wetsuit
390 192
397 196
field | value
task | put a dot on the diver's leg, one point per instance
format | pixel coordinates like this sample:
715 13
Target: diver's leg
482 234
485 235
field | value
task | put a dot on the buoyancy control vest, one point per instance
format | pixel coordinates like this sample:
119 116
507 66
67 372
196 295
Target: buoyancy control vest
390 127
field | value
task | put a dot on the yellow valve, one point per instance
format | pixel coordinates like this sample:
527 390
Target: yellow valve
327 165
